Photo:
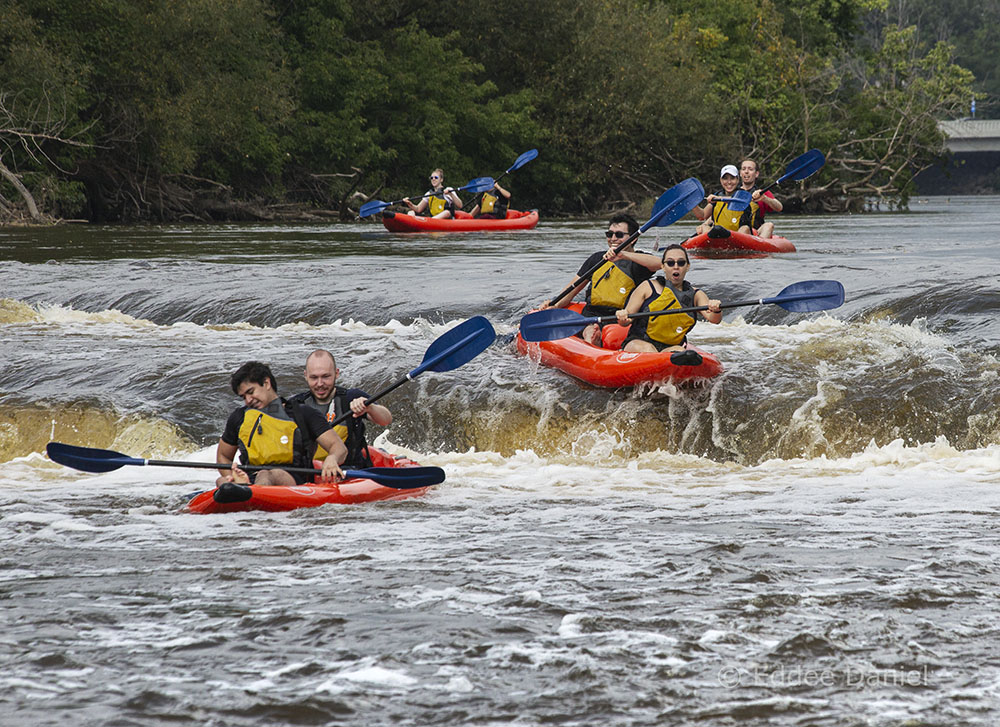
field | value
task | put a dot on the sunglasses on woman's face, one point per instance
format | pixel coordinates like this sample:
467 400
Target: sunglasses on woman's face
670 262
619 235
435 176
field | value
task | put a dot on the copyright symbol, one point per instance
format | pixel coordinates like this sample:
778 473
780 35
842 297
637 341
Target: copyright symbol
729 677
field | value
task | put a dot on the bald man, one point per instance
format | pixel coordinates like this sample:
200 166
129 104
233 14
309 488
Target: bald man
333 401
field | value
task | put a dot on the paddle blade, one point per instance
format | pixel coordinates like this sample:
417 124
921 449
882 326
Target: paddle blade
522 160
810 295
457 346
675 203
88 459
372 208
400 478
740 200
804 166
480 184
551 324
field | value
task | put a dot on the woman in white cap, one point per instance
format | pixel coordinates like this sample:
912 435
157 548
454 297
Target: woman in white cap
718 213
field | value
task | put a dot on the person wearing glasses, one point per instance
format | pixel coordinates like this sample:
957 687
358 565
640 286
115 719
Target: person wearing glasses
439 201
667 332
716 212
609 287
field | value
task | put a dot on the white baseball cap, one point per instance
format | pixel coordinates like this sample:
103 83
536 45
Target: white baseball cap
729 169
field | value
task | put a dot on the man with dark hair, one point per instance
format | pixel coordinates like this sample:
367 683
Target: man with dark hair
333 401
609 287
268 430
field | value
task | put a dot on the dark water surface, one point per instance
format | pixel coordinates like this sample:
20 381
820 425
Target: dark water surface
810 539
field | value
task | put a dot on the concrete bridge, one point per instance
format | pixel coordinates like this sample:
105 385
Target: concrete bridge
967 136
974 166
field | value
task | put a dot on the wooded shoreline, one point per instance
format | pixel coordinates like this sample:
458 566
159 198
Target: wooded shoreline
248 110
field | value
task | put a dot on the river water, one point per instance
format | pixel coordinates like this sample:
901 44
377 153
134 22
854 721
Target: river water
810 539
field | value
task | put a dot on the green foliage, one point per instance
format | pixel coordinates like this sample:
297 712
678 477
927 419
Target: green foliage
202 94
903 92
970 26
41 99
381 106
154 106
627 107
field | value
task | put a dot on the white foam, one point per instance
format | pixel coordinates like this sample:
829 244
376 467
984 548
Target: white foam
460 685
712 635
378 675
569 627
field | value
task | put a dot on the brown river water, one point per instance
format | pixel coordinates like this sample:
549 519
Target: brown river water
809 539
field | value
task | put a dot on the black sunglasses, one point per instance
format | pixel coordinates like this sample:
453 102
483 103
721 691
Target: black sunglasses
620 235
670 262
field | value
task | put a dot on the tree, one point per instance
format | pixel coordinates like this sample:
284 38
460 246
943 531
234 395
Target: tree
209 109
890 107
39 129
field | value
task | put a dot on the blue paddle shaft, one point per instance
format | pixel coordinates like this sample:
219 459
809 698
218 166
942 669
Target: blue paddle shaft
477 185
670 207
802 167
90 459
555 323
451 349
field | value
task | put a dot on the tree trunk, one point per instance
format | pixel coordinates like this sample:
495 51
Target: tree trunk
28 199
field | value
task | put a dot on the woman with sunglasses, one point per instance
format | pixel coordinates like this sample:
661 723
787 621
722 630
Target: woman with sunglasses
439 201
667 332
609 287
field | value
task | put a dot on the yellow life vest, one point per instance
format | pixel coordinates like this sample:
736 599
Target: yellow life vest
756 213
266 439
725 217
340 429
493 204
670 329
755 216
351 433
489 201
610 286
436 204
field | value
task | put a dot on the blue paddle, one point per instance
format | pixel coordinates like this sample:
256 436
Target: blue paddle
800 168
518 163
453 348
740 200
670 207
554 323
477 185
89 459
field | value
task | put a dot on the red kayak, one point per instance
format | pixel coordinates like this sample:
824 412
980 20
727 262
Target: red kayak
231 497
719 239
611 367
464 222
